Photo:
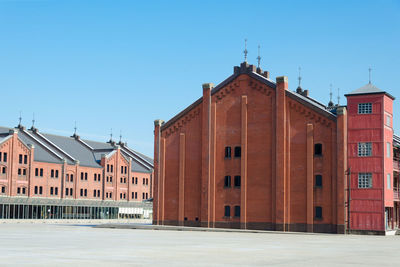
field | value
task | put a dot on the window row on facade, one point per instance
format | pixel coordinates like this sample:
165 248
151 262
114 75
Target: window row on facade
3 156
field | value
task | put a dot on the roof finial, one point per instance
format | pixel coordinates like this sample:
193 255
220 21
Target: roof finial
20 118
338 97
299 76
330 93
369 70
75 129
259 57
111 135
245 50
33 120
120 136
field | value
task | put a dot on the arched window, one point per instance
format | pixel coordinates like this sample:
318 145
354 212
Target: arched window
318 149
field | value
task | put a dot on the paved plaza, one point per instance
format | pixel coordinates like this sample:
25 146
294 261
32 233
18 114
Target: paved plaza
83 245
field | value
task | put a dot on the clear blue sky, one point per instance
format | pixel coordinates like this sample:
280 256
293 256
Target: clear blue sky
122 64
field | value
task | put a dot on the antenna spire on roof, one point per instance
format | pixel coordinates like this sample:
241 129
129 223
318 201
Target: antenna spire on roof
299 76
245 50
369 70
259 57
75 128
120 136
338 97
330 93
20 119
111 135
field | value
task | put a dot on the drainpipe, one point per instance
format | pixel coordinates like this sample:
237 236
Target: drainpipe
348 173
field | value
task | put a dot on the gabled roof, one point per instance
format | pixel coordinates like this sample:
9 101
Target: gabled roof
368 89
261 76
396 141
54 149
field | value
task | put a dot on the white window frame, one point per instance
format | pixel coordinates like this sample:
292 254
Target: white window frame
364 149
388 149
365 108
388 181
388 121
365 180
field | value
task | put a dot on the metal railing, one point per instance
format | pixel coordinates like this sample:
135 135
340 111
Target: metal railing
396 194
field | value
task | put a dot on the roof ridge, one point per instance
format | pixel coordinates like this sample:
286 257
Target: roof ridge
144 161
54 145
41 143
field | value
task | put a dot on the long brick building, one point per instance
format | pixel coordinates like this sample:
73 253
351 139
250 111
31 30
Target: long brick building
252 154
45 176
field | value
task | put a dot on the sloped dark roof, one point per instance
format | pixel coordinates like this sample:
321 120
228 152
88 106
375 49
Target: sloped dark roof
367 89
396 141
54 149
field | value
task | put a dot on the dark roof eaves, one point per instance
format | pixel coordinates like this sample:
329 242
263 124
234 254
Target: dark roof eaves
371 93
180 114
311 105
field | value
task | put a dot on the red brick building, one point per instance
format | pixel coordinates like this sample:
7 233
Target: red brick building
252 154
49 176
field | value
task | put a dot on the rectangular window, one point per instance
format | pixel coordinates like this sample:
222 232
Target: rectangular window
126 169
227 212
20 159
364 149
135 195
318 149
144 181
56 191
56 173
0 155
147 195
81 175
23 171
23 190
41 172
122 169
365 180
40 190
86 176
36 172
94 193
112 168
365 108
25 159
85 192
108 168
72 178
142 195
51 190
66 191
5 157
98 193
237 211
19 171
227 182
238 151
95 177
70 191
52 173
318 212
4 169
18 190
228 152
388 182
81 192
318 180
237 181
136 180
36 190
388 121
388 149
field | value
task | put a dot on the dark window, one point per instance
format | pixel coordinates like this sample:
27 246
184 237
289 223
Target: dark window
126 169
36 190
66 191
136 180
56 190
318 212
51 190
0 156
52 173
19 171
23 190
23 171
227 182
85 192
98 193
237 181
18 190
3 189
72 177
147 196
81 175
20 158
318 180
25 159
124 180
4 169
81 192
147 181
36 172
227 211
133 180
94 193
70 191
5 157
56 173
112 168
95 176
237 211
122 169
108 167
135 195
238 151
144 181
40 190
318 149
86 176
228 152
41 172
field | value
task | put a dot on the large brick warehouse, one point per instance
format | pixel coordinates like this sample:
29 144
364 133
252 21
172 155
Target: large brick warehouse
252 154
45 176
